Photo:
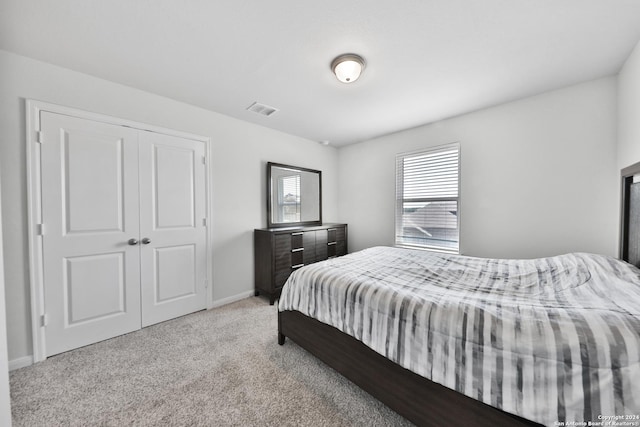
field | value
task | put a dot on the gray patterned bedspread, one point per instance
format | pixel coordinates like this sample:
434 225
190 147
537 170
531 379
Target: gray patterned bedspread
554 340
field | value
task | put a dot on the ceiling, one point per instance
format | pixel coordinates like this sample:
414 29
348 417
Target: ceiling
426 59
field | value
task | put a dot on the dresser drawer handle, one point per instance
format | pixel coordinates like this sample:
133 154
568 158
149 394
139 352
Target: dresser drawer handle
293 267
332 243
297 250
297 234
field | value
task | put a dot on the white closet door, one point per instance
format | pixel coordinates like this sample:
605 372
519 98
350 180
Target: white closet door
90 210
172 228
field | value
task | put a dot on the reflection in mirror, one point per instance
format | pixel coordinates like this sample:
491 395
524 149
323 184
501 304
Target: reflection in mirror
288 197
294 195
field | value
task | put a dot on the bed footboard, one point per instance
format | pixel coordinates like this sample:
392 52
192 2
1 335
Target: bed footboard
421 401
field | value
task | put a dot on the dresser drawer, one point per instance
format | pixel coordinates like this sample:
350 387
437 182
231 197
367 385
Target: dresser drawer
297 240
309 244
279 252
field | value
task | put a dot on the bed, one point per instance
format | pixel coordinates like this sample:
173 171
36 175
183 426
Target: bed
454 340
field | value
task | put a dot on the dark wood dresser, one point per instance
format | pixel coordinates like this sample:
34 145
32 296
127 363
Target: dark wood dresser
280 251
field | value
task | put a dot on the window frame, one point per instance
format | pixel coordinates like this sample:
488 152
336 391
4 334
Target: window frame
282 203
401 200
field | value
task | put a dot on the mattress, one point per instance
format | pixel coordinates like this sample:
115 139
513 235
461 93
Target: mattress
554 340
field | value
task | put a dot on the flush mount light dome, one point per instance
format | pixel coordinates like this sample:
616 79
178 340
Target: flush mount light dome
348 67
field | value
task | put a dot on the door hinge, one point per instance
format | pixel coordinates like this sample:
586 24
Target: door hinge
206 283
204 222
204 160
39 137
44 320
40 229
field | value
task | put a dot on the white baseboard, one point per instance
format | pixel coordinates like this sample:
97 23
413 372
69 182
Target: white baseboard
20 362
229 300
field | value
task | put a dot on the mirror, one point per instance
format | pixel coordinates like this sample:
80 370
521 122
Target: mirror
294 196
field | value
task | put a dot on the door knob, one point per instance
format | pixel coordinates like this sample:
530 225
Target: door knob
146 240
132 242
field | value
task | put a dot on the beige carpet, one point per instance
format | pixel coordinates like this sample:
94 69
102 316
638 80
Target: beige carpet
221 367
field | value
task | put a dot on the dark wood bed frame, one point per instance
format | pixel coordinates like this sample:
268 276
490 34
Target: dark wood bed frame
423 402
630 216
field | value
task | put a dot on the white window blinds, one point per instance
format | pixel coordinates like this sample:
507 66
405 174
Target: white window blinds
427 200
289 201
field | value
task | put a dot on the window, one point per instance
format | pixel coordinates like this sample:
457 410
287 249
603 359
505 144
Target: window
427 202
289 198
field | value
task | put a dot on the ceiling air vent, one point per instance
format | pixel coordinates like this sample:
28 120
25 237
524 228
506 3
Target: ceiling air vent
262 109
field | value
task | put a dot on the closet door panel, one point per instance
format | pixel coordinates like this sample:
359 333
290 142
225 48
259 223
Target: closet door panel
91 274
173 230
173 192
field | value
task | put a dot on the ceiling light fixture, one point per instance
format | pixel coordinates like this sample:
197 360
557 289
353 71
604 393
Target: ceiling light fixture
347 67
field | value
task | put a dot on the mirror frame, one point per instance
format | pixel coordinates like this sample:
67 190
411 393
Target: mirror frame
270 223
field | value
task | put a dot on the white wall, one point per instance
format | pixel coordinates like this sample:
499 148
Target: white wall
5 398
538 176
629 111
239 153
